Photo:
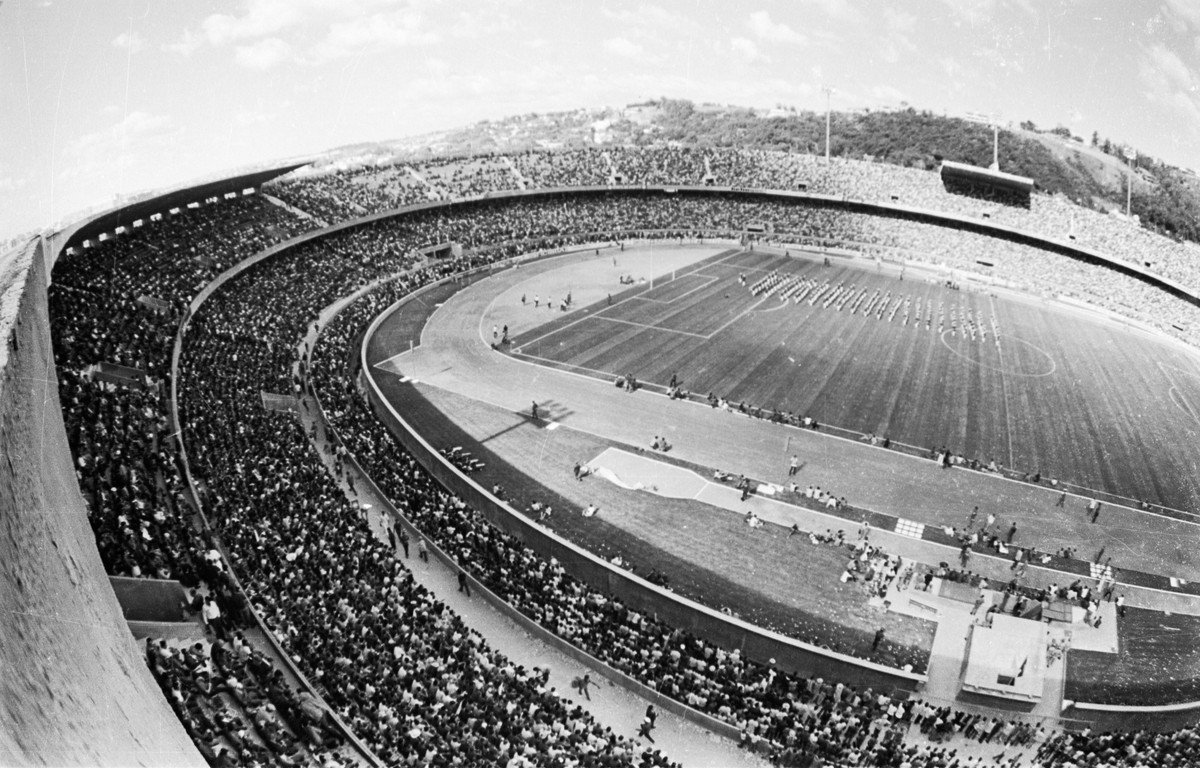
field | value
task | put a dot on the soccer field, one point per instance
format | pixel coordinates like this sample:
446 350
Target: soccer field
1029 384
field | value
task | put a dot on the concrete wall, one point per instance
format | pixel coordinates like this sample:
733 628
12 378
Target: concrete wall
74 688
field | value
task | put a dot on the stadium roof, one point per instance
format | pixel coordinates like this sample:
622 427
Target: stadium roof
125 214
974 174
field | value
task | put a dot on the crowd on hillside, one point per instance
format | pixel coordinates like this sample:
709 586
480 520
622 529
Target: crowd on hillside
570 168
399 666
352 193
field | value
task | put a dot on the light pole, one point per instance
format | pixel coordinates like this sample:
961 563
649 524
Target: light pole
828 95
1130 155
992 120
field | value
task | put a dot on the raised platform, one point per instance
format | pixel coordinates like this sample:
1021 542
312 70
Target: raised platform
1006 662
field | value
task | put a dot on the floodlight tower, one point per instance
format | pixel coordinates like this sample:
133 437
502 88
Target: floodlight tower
1130 155
993 120
828 95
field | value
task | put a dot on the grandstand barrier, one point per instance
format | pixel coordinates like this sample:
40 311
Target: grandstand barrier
145 599
636 593
1120 717
179 630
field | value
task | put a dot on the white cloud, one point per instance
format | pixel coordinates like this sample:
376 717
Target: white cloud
623 47
248 117
837 9
315 31
1186 10
132 42
949 66
1170 83
263 54
262 18
897 40
126 141
776 32
898 21
12 183
380 30
186 45
1168 63
974 12
887 94
745 47
646 16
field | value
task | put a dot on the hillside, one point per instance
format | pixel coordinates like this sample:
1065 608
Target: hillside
1093 174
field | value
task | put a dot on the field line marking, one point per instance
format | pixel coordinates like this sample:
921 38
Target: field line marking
734 267
1176 395
539 267
776 308
554 365
651 327
709 280
1001 369
739 316
574 322
694 270
1003 388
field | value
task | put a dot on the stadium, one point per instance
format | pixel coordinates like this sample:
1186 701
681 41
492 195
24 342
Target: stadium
667 435
212 434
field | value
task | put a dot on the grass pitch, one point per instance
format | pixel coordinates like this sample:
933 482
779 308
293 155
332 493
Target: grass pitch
1029 385
1158 663
1105 406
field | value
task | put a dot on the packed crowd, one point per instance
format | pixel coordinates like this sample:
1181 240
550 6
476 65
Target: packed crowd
571 168
120 303
400 668
342 195
1139 749
398 665
659 165
470 177
238 706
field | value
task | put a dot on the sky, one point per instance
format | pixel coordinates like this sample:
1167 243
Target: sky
110 97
